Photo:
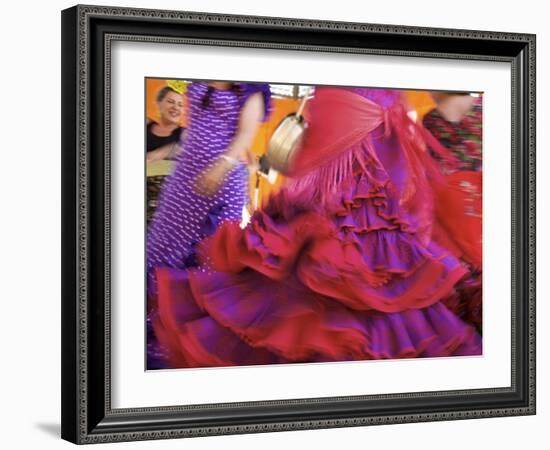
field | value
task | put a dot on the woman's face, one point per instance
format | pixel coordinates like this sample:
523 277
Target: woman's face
171 107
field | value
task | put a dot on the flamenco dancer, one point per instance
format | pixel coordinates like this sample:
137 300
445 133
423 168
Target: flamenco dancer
209 183
339 265
456 123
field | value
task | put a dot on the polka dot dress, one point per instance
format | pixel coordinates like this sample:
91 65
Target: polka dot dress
184 217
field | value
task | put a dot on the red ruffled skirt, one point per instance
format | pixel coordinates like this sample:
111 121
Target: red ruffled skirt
459 228
458 212
299 284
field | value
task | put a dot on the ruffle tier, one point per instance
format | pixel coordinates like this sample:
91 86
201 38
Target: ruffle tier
366 256
225 319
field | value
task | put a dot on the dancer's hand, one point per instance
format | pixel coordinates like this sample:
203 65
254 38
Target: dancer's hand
210 181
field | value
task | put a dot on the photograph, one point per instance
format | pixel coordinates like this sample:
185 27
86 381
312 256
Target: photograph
291 223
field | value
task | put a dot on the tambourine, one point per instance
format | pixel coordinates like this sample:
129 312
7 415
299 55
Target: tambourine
286 139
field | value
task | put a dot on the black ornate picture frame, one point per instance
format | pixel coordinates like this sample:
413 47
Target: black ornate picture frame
87 35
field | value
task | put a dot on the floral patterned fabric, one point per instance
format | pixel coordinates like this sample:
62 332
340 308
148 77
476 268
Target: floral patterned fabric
463 138
458 208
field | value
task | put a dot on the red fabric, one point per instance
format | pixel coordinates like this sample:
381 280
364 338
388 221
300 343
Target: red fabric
337 119
341 125
458 213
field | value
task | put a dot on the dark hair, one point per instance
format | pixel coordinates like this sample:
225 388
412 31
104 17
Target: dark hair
455 92
163 92
206 99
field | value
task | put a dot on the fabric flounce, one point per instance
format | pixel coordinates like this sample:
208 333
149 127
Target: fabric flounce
218 320
297 286
365 257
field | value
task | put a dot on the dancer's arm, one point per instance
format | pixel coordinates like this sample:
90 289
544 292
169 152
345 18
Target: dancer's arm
249 120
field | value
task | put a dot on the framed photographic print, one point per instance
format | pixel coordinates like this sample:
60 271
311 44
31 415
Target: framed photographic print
282 224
